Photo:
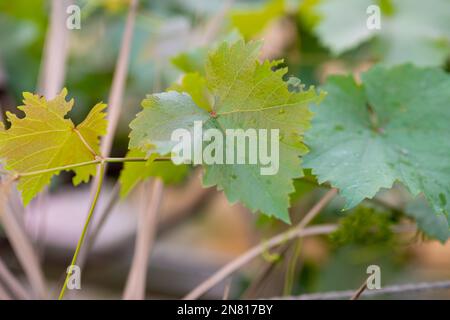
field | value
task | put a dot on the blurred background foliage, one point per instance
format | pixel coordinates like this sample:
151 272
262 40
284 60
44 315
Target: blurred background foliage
316 38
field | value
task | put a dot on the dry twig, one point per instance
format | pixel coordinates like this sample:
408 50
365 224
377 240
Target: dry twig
254 252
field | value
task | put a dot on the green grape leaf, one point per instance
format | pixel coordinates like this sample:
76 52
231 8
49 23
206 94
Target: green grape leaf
162 114
303 186
340 34
393 127
247 94
134 172
251 22
434 225
191 61
307 14
413 31
45 139
195 85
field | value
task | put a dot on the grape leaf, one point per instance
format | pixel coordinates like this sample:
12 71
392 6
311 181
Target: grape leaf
307 14
251 22
246 94
162 114
433 225
45 139
134 172
340 34
393 127
413 31
194 84
190 61
193 60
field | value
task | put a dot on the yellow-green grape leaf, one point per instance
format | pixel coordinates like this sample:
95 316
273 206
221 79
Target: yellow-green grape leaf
114 5
45 139
307 13
195 85
392 127
251 22
247 94
191 61
134 172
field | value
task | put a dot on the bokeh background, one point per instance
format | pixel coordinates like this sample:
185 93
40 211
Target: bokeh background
198 231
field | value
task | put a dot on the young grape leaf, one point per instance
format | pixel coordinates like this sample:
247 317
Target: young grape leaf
413 31
433 225
307 14
45 139
247 95
253 21
393 127
191 61
194 84
134 172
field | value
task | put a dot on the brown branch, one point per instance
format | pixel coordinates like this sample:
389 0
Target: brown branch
360 290
21 244
115 98
254 252
256 285
53 68
394 289
191 201
3 294
208 32
226 291
147 225
12 282
50 82
171 219
118 85
51 79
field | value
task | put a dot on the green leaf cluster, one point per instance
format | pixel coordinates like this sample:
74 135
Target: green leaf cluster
363 226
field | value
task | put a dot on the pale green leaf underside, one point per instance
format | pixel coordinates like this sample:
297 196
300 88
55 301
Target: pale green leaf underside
394 127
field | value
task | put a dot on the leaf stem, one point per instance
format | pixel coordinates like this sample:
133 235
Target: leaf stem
83 233
87 163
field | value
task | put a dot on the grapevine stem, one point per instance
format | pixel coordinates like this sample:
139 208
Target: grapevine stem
83 233
295 232
87 163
